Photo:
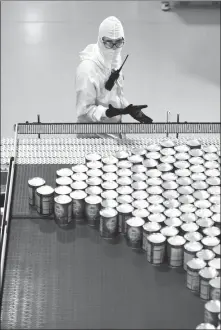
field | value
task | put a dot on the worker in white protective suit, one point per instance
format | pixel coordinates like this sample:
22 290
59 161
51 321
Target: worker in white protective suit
94 102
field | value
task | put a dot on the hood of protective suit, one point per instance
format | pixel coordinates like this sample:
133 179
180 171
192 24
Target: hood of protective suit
112 28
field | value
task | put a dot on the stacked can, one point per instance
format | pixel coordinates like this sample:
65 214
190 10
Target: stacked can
211 312
205 275
63 210
33 185
108 223
190 250
134 232
78 203
44 200
156 244
92 210
148 229
193 268
175 251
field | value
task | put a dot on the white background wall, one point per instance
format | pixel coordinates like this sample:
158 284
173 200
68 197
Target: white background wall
174 61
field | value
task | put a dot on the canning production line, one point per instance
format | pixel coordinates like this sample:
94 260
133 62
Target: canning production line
111 233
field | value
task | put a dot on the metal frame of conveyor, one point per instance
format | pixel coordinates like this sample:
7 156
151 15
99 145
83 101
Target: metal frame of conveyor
7 209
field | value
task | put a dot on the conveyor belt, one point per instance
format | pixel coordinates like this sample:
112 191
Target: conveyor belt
73 279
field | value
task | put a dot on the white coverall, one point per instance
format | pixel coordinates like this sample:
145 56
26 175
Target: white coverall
96 63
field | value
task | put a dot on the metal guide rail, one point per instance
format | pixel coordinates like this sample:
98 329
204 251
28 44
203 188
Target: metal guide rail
126 128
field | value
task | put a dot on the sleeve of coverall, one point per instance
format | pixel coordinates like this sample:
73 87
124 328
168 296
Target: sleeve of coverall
86 97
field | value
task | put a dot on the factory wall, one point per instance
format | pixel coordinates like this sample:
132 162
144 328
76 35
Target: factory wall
174 62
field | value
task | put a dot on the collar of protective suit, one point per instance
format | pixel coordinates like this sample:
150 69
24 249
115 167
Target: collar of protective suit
110 59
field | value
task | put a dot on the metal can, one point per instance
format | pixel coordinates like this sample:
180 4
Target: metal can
134 235
124 181
122 155
141 213
193 144
94 181
64 181
211 231
138 169
79 185
154 199
78 198
210 242
173 222
175 251
109 203
138 177
217 220
211 312
95 172
124 213
139 195
148 229
194 236
171 204
109 194
139 185
153 155
138 151
44 200
110 168
124 164
92 157
124 190
79 176
109 177
204 223
164 167
214 287
216 263
205 275
193 268
67 172
108 223
205 326
190 250
156 244
63 211
110 160
151 163
140 204
92 210
62 190
124 172
189 227
125 199
109 185
79 168
205 255
157 217
136 159
217 251
94 190
94 164
33 184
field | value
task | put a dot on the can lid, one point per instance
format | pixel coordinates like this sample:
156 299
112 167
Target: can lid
216 217
155 190
176 240
64 172
45 190
215 282
206 222
183 172
150 162
109 185
187 208
109 194
172 213
138 168
125 208
94 181
138 151
140 213
169 231
196 160
197 168
80 168
124 172
170 194
174 222
214 190
182 164
93 199
196 152
156 238
109 203
156 208
188 217
213 181
92 156
110 160
140 204
204 213
139 177
154 181
168 151
109 176
94 172
139 185
210 156
184 181
153 147
205 326
193 236
211 231
200 185
193 246
122 154
140 194
202 204
153 173
167 143
169 176
79 194
94 190
168 159
152 226
205 254
63 199
169 185
36 182
212 172
215 263
193 143
211 164
94 164
155 199
209 148
108 212
182 156
110 168
124 164
124 181
208 272
78 185
164 167
63 190
190 227
201 194
125 190
127 199
79 176
213 306
185 190
157 217
186 199
198 176
182 148
210 241
196 263
135 222
135 159
217 249
171 203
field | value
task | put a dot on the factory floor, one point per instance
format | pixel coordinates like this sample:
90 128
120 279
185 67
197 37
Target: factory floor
74 279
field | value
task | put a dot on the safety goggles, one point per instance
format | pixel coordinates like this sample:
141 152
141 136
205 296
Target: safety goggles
109 44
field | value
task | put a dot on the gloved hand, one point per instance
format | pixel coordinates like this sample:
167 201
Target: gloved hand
112 112
137 114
